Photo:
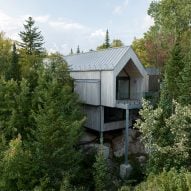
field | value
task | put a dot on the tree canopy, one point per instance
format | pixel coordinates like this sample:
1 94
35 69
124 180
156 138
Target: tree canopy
32 40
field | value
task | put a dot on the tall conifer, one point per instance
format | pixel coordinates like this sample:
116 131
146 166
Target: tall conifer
32 40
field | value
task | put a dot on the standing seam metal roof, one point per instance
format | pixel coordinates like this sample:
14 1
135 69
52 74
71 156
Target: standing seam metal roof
96 60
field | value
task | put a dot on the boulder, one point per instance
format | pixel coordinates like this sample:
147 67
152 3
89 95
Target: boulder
87 138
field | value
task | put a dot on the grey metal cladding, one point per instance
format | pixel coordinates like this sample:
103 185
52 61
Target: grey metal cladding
96 60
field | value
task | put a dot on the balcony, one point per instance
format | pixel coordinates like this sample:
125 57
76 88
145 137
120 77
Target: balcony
128 104
137 103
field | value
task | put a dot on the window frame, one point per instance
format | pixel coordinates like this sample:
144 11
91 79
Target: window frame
117 86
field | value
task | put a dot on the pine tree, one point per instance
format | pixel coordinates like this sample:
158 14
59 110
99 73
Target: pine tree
71 51
107 40
58 122
106 44
5 54
32 40
173 68
185 81
14 68
78 50
101 172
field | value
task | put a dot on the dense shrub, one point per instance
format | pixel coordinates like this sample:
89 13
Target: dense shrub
165 181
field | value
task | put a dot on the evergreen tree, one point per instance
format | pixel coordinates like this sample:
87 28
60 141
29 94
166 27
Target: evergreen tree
170 89
106 44
107 40
31 53
16 167
101 172
14 69
5 54
173 68
32 40
165 99
185 82
15 110
58 122
78 50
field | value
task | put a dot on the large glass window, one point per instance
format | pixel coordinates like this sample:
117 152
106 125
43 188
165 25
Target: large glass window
113 114
123 88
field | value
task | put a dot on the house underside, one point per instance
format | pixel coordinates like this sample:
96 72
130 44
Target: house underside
113 118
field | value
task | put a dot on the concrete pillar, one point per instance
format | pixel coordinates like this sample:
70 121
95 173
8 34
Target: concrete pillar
101 124
125 169
126 136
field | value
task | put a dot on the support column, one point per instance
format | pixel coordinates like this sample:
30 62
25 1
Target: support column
125 169
101 124
126 136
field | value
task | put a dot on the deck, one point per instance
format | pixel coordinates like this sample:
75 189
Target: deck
129 104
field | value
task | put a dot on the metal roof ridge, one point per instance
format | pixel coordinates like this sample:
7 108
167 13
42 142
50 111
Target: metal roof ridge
96 51
122 57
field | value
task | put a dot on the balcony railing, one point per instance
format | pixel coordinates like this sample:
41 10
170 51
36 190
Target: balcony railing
136 101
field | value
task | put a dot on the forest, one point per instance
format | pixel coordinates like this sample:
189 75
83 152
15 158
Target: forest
41 118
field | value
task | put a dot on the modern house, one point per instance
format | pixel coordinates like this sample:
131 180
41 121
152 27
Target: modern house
111 84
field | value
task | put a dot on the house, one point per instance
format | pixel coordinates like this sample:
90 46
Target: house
111 83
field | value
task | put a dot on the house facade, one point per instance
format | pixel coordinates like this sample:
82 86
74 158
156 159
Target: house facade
111 84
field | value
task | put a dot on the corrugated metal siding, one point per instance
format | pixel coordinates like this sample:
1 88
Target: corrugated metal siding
152 71
88 91
86 75
96 60
154 84
107 89
93 117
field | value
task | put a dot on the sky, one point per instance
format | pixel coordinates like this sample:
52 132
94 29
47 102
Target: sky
65 24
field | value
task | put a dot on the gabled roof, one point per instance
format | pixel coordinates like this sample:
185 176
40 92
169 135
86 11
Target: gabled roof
96 60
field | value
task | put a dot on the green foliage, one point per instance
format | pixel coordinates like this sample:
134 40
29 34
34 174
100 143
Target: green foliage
173 68
171 19
16 167
107 40
48 120
5 53
166 138
71 51
106 44
168 181
14 68
172 15
140 49
117 43
153 49
101 173
78 50
66 185
125 188
58 122
185 81
15 105
165 181
31 53
32 40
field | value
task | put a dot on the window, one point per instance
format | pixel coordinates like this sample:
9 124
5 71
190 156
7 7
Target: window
113 114
123 88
